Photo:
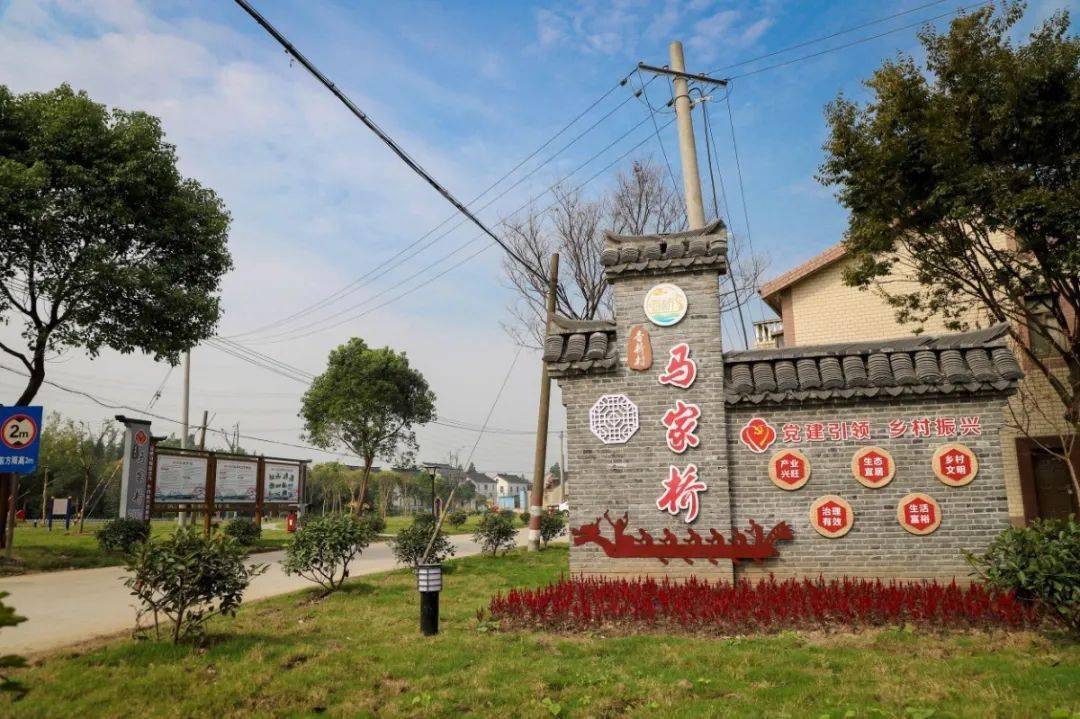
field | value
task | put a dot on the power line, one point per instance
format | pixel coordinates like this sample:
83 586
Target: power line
491 410
110 404
415 287
816 40
304 332
709 148
859 41
287 370
353 285
742 188
411 163
660 141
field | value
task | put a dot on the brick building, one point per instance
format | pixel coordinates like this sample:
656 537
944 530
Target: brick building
810 297
686 457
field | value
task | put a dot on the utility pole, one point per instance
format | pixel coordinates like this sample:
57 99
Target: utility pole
181 517
44 491
202 435
537 503
695 208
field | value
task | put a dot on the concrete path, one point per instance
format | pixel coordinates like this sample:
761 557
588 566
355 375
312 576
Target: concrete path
71 606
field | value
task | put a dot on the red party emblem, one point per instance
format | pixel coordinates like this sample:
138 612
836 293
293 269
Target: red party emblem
141 438
758 435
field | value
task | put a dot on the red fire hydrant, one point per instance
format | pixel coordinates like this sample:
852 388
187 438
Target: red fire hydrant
290 522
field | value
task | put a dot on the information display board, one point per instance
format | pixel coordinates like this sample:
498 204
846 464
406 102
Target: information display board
236 481
282 483
180 479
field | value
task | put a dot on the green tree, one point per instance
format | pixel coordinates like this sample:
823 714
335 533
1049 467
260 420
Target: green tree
81 462
367 401
105 243
965 175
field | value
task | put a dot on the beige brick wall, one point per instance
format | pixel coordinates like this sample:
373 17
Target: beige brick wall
824 309
827 310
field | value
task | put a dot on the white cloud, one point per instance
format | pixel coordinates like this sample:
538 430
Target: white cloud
316 200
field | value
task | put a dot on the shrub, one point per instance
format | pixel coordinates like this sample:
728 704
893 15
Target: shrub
507 513
323 546
457 518
524 516
495 532
1041 564
243 530
8 618
188 578
410 542
123 535
375 523
769 605
552 525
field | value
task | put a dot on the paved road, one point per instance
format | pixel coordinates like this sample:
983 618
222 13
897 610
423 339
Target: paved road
72 606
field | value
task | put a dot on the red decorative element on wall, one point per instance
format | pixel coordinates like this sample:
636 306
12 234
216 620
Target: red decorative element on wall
873 467
955 464
758 435
758 546
681 423
681 490
681 371
789 469
918 513
639 349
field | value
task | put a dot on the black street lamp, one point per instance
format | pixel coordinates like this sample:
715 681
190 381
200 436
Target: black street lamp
429 576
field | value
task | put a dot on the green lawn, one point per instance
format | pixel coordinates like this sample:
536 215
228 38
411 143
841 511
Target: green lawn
358 654
393 524
39 550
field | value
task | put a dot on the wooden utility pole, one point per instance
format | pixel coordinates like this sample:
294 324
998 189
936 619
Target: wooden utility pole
695 208
536 506
202 435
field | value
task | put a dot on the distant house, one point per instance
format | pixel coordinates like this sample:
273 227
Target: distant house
512 490
554 490
485 485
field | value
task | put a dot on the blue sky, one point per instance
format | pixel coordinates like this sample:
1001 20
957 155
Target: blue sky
469 88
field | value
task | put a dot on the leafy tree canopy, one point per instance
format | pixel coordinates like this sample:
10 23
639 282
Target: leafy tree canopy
367 401
105 244
965 175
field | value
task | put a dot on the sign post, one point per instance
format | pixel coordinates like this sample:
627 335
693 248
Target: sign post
20 442
135 475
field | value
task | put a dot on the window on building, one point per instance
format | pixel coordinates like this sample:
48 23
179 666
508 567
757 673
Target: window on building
1041 346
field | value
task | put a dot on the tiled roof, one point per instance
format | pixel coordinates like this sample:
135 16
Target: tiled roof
644 254
576 346
770 289
964 362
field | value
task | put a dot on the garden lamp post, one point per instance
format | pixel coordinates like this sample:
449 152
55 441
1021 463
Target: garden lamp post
429 584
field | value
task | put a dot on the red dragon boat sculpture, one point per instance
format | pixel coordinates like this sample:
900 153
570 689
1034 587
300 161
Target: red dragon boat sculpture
694 546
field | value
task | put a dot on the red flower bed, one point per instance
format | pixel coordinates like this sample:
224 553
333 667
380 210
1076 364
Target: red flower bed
767 605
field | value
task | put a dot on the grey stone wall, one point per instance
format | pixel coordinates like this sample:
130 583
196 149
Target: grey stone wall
627 477
876 546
